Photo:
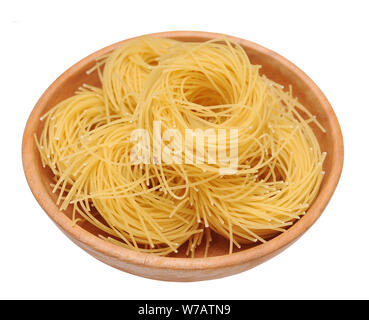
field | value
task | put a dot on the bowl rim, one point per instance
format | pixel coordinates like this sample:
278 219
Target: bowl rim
105 248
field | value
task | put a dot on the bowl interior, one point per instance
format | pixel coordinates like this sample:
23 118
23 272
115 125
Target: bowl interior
273 66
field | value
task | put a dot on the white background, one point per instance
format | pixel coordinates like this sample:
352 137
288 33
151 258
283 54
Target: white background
326 39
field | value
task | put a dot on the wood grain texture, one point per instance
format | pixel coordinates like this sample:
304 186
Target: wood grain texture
178 267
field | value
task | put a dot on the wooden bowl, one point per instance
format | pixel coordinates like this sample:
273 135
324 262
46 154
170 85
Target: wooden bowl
178 267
